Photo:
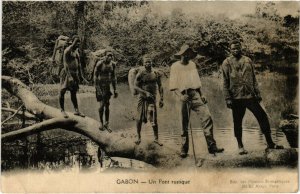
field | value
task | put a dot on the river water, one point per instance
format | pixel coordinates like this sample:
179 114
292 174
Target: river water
123 112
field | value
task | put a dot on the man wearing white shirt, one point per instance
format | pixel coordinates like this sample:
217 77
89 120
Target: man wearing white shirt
185 82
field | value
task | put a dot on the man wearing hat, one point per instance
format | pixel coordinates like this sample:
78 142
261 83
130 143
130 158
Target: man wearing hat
70 76
104 75
185 82
241 93
146 83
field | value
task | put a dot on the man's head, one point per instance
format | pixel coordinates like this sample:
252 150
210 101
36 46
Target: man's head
76 41
186 53
108 55
147 62
236 48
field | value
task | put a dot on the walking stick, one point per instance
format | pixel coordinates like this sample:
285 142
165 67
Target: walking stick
190 127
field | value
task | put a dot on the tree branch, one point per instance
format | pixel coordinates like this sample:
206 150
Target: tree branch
27 114
42 126
12 116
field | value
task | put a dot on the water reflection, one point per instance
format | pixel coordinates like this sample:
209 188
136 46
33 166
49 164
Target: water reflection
67 155
253 139
83 154
63 156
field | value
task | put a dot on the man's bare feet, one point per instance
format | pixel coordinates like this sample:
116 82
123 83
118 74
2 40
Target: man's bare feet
64 114
138 142
158 143
242 151
106 126
77 113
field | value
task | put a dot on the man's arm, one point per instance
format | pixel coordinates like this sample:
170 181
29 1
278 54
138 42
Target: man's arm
160 88
226 81
67 52
255 84
96 72
80 67
226 84
114 78
182 97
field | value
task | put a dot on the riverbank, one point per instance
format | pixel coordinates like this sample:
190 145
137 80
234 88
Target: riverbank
273 87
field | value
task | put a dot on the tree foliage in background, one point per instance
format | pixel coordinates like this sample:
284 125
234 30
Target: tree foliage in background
134 29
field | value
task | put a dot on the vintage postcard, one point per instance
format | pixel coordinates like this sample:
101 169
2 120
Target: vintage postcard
149 96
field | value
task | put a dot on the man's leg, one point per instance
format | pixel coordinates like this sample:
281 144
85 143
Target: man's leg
138 130
75 103
207 126
106 113
62 102
155 130
152 115
238 112
139 119
185 113
101 111
263 121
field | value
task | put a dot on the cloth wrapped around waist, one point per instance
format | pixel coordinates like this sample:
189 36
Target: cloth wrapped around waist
102 91
146 110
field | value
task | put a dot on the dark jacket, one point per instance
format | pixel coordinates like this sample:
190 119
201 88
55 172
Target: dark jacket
239 79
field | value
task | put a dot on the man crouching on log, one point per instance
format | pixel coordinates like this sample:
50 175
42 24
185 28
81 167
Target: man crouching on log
146 83
70 76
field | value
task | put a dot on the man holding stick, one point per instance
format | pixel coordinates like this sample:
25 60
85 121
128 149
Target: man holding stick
185 82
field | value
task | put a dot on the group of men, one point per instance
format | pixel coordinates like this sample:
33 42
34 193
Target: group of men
240 89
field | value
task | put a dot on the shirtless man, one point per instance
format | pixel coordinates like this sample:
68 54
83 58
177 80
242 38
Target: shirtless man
70 76
104 75
146 83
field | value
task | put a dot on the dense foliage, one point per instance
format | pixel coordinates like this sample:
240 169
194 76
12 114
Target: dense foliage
133 29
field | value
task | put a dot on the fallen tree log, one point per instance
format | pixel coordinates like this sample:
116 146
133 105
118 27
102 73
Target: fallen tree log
121 143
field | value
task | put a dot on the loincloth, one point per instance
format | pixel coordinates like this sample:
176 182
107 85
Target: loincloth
103 92
146 111
69 81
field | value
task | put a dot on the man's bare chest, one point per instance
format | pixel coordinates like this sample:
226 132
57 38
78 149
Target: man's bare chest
106 69
149 78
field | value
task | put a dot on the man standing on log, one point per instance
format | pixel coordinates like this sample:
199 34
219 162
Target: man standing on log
241 92
70 75
185 82
104 75
146 82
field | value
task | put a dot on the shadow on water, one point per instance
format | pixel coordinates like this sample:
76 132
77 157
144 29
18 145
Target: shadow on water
62 150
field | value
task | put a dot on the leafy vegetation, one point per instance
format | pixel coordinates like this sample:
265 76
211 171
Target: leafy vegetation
133 29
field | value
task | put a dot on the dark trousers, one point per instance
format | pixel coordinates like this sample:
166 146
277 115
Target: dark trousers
238 112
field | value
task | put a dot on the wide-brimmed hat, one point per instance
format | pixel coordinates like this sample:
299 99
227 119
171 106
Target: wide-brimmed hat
184 49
